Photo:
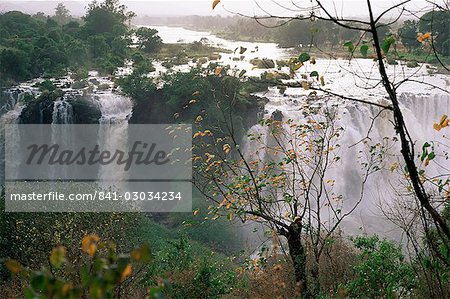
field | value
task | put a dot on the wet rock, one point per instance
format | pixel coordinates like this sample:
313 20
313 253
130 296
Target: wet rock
94 81
85 111
277 115
103 86
79 84
412 64
215 56
264 63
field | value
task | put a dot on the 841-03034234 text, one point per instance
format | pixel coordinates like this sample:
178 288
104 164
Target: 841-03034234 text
98 195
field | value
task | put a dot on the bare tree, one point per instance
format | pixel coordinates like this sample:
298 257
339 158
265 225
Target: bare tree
370 29
283 179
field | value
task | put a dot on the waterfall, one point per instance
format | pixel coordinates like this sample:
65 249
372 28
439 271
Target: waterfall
420 112
116 111
62 112
10 110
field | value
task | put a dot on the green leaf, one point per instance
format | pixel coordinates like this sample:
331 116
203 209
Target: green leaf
424 155
388 41
57 256
314 74
304 57
431 156
242 50
39 282
364 49
28 294
349 45
242 73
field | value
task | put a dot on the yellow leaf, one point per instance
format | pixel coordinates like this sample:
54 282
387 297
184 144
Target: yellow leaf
422 37
297 66
199 119
215 3
57 256
126 272
393 167
443 122
196 212
66 288
322 80
218 70
437 127
136 255
426 36
313 60
226 148
196 93
13 266
89 244
446 123
427 162
209 157
192 101
305 85
176 115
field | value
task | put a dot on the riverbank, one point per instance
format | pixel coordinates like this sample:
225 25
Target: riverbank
327 52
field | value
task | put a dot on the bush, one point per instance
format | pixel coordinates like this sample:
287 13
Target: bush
382 271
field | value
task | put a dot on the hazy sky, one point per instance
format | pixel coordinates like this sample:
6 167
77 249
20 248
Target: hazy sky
203 7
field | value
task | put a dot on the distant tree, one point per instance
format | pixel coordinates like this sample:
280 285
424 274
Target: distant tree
408 34
14 63
438 24
149 41
104 17
40 16
62 14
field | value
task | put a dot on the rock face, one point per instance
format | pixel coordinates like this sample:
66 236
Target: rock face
277 115
85 111
42 109
264 63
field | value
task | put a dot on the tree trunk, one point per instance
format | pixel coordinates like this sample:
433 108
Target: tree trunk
406 147
314 286
298 254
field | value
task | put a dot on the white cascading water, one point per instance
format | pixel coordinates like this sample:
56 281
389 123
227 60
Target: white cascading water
63 135
62 112
10 113
420 111
116 111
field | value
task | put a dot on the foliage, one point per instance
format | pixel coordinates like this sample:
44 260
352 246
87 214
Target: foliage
103 273
32 46
408 34
62 14
437 22
191 274
148 39
381 271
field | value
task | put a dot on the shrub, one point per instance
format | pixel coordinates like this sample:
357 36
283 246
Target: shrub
381 270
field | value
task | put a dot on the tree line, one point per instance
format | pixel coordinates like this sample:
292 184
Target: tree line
49 46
